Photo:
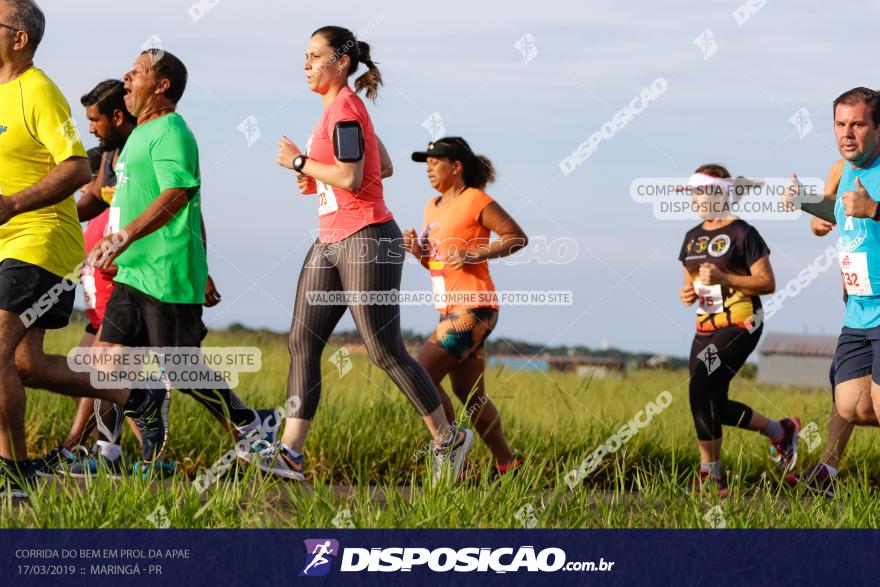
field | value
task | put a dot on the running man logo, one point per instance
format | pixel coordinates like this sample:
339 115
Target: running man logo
710 358
802 122
318 551
3 129
250 128
715 518
154 42
526 46
526 516
342 520
434 125
810 436
342 360
159 518
69 132
707 44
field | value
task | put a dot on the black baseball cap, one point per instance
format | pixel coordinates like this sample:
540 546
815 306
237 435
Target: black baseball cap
452 148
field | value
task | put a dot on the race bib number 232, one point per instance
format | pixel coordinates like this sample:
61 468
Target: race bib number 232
854 270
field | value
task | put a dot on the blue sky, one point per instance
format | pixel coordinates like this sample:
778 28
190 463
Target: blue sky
458 59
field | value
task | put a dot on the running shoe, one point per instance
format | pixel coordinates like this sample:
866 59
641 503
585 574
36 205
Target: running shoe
278 460
508 469
58 460
784 451
15 483
270 422
150 415
154 470
96 462
706 485
816 480
449 459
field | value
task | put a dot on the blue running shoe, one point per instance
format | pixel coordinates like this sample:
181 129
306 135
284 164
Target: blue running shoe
154 470
97 463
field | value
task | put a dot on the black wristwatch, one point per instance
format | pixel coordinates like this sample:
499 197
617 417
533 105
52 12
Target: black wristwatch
876 216
299 162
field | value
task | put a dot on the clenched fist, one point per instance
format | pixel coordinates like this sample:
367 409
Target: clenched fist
687 294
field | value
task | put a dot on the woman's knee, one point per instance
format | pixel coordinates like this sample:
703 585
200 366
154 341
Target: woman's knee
388 356
301 342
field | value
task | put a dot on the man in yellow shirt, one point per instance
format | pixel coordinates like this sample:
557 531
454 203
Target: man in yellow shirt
42 163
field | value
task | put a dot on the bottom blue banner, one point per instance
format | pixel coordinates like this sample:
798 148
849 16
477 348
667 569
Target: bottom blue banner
462 557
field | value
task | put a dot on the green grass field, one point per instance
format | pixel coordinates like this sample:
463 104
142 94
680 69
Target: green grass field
367 438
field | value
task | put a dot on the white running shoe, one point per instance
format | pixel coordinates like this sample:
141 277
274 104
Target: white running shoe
448 460
278 460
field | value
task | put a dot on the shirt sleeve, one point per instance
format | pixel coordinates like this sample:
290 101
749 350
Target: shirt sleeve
754 247
343 111
54 127
480 201
683 252
176 160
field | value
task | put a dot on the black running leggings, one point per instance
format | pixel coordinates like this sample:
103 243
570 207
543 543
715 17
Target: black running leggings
715 360
370 260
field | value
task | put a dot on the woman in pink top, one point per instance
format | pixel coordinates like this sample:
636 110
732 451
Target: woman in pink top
359 250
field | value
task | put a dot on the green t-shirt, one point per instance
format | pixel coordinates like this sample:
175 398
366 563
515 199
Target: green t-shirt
168 264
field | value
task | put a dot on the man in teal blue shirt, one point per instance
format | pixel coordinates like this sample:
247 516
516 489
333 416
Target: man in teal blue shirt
855 370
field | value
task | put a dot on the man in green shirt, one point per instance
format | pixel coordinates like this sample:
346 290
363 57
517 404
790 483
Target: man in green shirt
156 235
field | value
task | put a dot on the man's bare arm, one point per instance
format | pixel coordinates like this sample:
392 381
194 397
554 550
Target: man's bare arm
67 177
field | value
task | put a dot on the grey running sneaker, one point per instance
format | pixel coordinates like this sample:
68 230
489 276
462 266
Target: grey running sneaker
277 460
449 459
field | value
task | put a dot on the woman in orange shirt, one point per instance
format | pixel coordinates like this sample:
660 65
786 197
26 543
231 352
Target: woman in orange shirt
455 247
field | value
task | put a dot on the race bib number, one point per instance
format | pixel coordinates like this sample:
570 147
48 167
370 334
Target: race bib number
112 222
854 270
326 199
709 298
438 284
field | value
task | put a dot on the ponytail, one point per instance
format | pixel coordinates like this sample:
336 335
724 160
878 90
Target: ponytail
372 78
478 172
344 42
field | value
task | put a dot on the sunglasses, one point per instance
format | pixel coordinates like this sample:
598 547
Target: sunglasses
11 28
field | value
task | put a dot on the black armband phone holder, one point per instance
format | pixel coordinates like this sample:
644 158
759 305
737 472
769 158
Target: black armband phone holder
348 141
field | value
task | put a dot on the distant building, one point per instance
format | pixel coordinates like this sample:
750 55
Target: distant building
801 360
586 366
658 362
